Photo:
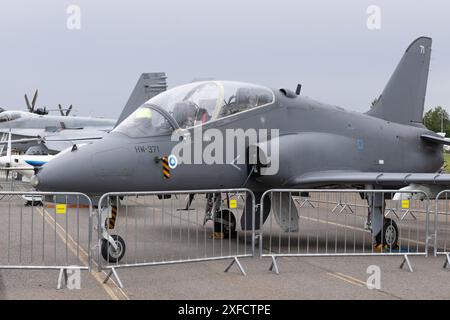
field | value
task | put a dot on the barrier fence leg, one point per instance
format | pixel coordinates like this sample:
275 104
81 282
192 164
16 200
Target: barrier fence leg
274 265
447 261
408 263
304 202
388 211
406 213
113 273
235 260
62 275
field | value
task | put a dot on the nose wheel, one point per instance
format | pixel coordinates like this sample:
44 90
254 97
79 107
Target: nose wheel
113 248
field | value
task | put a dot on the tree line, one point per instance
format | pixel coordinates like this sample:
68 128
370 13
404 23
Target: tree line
437 120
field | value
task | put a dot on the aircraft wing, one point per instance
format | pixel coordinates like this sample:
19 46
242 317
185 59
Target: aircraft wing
58 141
67 138
326 178
26 140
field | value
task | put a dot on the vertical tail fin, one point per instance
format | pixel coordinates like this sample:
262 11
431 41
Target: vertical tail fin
403 98
148 86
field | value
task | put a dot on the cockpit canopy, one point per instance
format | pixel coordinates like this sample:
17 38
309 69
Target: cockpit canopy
9 116
194 104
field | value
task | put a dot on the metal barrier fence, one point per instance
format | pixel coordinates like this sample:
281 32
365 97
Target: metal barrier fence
138 229
13 181
314 222
54 231
45 231
441 227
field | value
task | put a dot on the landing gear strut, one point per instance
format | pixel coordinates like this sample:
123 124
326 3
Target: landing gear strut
384 230
225 223
224 219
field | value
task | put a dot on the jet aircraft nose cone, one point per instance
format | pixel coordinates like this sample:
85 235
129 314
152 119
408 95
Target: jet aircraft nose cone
54 177
69 171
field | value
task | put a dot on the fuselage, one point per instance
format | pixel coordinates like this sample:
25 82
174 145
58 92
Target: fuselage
312 137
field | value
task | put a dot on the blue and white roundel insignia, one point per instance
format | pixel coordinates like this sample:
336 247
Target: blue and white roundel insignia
173 161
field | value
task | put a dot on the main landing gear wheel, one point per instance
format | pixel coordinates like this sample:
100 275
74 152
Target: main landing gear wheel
109 253
225 223
390 234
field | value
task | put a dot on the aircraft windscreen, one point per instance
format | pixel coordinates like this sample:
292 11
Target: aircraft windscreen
200 102
145 122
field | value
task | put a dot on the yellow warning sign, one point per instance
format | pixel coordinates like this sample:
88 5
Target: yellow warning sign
233 203
405 204
61 208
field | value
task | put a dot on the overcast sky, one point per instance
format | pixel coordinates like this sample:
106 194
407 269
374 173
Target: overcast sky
325 45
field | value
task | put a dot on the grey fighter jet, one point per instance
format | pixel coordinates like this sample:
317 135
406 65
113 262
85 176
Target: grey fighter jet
45 133
300 143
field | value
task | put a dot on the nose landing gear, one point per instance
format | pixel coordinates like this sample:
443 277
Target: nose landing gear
113 249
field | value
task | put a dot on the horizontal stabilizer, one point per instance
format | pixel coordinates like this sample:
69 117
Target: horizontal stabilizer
435 139
37 139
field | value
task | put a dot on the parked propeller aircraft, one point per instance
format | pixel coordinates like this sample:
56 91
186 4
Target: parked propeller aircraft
300 143
44 111
25 164
37 132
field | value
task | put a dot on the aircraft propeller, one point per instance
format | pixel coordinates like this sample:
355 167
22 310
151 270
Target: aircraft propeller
68 110
31 106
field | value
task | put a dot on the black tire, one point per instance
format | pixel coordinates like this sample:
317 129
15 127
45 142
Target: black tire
225 222
108 252
390 234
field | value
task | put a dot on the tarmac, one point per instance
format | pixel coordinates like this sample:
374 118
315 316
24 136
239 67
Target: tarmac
153 233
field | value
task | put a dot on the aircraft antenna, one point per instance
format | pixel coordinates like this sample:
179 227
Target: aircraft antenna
299 89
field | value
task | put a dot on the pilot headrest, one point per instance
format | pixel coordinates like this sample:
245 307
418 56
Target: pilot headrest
264 99
252 97
184 109
243 96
